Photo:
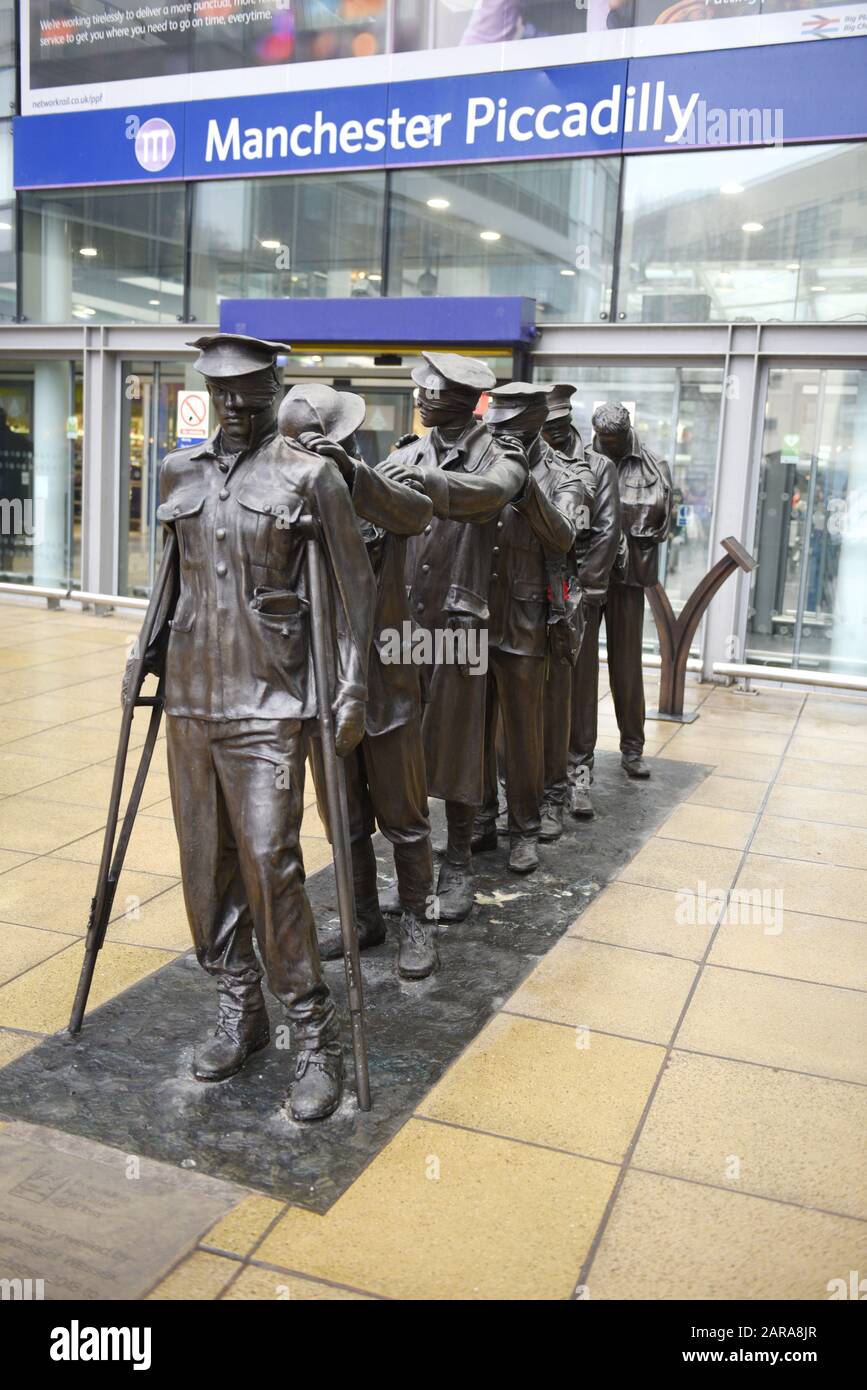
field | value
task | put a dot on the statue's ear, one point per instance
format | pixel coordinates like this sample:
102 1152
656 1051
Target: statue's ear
296 416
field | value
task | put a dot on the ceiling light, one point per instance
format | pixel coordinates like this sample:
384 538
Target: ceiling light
731 188
153 301
88 251
818 289
82 311
270 245
5 226
438 204
753 227
374 277
567 272
490 236
793 265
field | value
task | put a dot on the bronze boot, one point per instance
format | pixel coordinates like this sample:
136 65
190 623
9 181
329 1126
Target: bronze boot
242 1029
417 953
371 926
318 1086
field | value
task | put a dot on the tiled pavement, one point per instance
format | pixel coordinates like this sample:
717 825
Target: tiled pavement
668 1107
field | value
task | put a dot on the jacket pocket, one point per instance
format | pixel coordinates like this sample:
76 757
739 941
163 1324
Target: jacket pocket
267 531
185 612
184 512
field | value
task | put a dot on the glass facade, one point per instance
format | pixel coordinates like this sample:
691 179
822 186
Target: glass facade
807 603
676 412
286 238
760 235
40 472
543 229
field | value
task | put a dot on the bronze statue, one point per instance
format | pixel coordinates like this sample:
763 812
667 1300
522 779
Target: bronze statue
645 491
469 476
571 687
526 604
386 773
239 701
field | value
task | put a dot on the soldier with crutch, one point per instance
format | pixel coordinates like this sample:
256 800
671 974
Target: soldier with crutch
240 701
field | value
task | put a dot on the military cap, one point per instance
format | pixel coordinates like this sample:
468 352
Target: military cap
234 354
512 399
341 412
560 400
441 369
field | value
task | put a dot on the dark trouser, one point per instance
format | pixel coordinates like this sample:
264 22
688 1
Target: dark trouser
238 797
556 719
385 784
624 625
515 691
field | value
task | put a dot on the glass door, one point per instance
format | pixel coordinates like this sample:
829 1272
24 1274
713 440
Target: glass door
807 601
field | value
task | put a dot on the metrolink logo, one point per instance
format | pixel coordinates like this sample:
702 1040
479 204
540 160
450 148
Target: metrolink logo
155 144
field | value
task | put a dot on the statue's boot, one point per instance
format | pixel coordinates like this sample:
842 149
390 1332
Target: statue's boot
368 916
580 805
318 1086
456 884
417 955
242 1029
551 827
634 766
484 833
523 855
389 899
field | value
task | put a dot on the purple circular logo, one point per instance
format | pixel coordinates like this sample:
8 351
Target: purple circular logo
155 144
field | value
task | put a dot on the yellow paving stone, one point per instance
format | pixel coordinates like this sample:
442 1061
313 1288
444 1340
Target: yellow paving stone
751 1129
161 920
266 1284
529 1080
442 1213
9 859
153 845
14 1045
33 680
74 743
54 892
240 1229
830 750
810 727
608 988
728 792
823 889
732 740
163 809
13 730
778 1023
38 827
825 776
837 709
41 999
200 1276
763 701
91 786
19 773
649 919
723 721
802 839
56 707
708 825
23 947
825 950
316 854
669 864
752 767
674 1240
311 825
812 804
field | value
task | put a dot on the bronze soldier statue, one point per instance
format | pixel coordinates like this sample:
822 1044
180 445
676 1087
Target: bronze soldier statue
469 477
533 539
240 700
385 775
645 491
570 685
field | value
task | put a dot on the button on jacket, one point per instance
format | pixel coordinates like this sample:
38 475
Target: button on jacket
240 646
549 518
391 511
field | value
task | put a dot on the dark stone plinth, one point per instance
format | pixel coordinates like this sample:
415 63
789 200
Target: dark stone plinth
125 1080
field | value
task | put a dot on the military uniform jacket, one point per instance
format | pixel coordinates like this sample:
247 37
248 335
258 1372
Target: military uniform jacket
520 579
469 481
596 550
240 645
645 487
391 512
